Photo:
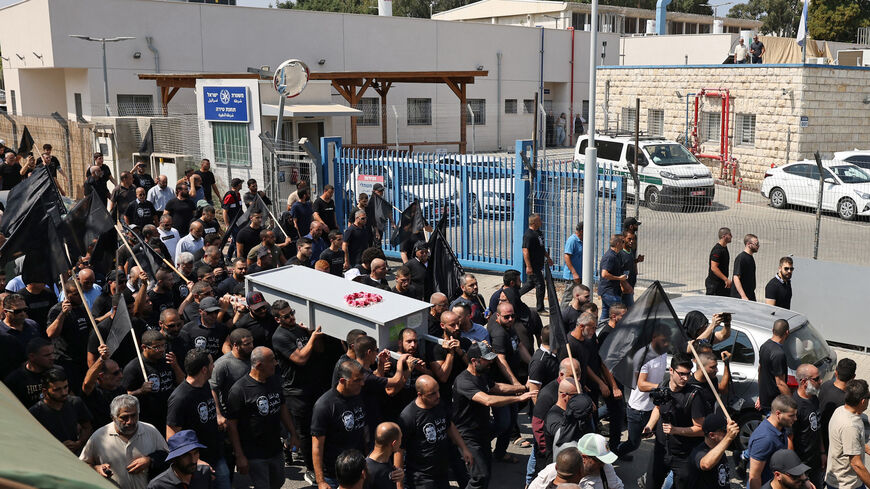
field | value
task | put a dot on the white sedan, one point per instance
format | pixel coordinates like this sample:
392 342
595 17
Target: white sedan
846 187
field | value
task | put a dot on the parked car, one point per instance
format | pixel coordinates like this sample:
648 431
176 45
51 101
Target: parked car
751 326
437 191
668 172
846 187
490 183
856 157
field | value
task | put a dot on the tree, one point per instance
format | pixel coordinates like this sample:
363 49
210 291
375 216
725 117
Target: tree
837 20
778 17
690 7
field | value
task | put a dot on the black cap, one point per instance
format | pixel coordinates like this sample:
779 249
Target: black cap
714 422
630 221
420 245
481 350
787 462
580 406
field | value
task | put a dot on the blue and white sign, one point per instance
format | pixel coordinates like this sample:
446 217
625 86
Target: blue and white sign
225 104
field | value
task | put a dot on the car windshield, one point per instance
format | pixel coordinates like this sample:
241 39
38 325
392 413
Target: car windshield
420 176
669 154
805 345
851 174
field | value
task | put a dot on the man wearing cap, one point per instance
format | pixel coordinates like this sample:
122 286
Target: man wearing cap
205 331
184 471
598 472
789 472
567 469
846 448
708 465
757 50
141 179
257 319
473 396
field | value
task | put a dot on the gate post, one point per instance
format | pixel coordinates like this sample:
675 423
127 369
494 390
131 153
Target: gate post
325 161
521 204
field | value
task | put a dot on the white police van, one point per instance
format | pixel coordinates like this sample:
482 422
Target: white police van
668 172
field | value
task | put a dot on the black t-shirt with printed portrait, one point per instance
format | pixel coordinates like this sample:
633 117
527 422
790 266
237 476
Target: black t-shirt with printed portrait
256 407
144 180
534 242
152 404
425 440
807 431
72 344
722 257
195 335
343 423
141 213
62 424
717 477
193 408
295 377
471 418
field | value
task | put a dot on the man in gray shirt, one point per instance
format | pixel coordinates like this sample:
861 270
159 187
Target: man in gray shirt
231 367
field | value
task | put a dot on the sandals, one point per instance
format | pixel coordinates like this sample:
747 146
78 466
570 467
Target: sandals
523 443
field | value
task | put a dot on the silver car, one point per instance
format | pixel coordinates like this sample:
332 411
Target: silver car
751 326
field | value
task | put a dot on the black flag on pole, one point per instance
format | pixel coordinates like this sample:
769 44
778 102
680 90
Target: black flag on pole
410 223
150 260
120 328
379 212
25 146
651 314
443 270
244 220
558 335
85 223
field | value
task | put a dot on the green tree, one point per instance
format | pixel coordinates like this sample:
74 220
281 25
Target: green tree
778 17
837 20
690 7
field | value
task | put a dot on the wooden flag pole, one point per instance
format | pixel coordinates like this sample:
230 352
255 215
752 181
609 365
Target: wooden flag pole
710 382
127 245
83 298
138 353
177 271
277 222
573 369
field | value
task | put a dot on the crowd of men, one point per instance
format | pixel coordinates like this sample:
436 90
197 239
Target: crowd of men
213 382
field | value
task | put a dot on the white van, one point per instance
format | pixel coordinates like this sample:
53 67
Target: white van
668 172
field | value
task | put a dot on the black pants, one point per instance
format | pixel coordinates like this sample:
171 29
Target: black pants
481 470
535 281
416 480
662 462
300 411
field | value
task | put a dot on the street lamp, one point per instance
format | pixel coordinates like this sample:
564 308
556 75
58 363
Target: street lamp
103 41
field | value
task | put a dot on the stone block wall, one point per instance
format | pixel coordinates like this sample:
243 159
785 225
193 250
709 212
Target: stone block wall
832 98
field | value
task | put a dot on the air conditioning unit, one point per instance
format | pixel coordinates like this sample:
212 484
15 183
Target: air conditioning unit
814 60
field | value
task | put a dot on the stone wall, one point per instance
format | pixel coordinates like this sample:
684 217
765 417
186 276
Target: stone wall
831 97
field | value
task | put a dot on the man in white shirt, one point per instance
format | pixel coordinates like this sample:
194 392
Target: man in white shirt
193 242
741 52
168 234
160 194
650 364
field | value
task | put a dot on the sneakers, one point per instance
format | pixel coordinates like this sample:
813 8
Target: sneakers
641 482
309 478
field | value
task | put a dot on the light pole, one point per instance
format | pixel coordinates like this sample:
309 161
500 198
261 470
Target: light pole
103 41
590 169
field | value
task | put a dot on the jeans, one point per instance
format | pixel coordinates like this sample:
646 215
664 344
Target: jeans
221 475
636 421
606 301
535 281
530 467
503 418
560 136
267 473
332 482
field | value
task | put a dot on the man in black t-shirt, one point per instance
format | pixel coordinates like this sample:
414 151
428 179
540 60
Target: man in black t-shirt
181 209
209 183
356 239
473 393
154 390
427 430
717 282
10 172
258 319
448 359
102 385
192 407
778 290
122 196
68 326
682 416
708 465
805 432
205 331
249 236
832 394
324 208
26 381
743 282
338 423
334 255
141 212
547 397
235 283
255 413
141 178
63 415
535 254
772 367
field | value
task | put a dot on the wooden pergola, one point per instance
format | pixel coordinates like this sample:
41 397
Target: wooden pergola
171 83
352 85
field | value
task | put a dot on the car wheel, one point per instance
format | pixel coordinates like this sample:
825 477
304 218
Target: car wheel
747 422
846 209
652 198
474 207
777 198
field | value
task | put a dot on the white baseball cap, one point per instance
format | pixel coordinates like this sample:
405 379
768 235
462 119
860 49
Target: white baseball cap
594 445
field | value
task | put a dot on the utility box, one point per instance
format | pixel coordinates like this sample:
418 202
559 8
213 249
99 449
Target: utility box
319 300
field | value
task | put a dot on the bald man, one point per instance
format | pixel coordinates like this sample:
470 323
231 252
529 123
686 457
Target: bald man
193 242
426 429
547 397
567 390
439 305
381 473
378 276
448 359
86 280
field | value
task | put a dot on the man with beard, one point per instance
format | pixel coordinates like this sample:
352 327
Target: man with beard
468 329
181 209
471 298
205 331
427 433
448 359
184 471
124 450
68 327
209 224
788 471
778 290
805 434
404 393
64 416
209 183
153 391
418 265
717 282
126 350
140 177
192 407
303 253
317 231
510 280
294 346
708 464
235 283
26 381
768 437
257 319
161 295
102 384
140 212
255 413
378 276
160 194
571 311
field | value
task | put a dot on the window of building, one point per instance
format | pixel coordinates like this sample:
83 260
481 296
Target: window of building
585 110
510 106
12 102
78 103
704 28
419 111
371 113
579 20
710 123
691 28
746 129
478 108
628 118
231 143
135 105
529 106
655 122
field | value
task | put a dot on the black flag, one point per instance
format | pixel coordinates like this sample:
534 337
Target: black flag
411 223
379 212
443 270
558 335
651 313
85 223
147 146
120 328
244 220
150 260
25 146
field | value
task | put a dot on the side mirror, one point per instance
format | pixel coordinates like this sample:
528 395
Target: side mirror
830 180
